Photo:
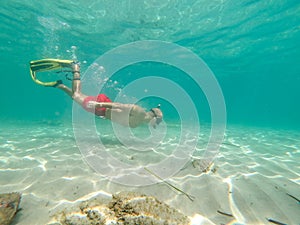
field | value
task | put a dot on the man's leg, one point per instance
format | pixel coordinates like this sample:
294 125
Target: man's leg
75 93
76 84
65 89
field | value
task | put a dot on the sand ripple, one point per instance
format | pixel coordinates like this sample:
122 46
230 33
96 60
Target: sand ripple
250 179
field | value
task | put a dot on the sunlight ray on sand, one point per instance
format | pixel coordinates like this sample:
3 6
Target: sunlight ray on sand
249 181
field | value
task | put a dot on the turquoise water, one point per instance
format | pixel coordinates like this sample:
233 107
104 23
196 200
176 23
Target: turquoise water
252 48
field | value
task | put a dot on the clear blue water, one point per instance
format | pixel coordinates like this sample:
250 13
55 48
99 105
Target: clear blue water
253 49
251 46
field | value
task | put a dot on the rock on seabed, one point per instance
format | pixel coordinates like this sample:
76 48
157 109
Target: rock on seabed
125 208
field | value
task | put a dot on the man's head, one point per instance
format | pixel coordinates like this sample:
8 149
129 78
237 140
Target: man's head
157 116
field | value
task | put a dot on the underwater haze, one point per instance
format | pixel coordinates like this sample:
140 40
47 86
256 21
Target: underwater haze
240 168
252 47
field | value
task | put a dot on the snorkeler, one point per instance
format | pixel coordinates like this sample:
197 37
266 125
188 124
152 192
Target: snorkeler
125 114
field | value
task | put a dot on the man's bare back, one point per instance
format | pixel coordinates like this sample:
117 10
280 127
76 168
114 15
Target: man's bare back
129 114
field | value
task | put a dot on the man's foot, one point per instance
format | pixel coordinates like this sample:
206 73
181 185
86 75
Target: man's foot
58 82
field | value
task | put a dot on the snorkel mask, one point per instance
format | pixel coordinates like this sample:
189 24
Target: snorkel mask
157 116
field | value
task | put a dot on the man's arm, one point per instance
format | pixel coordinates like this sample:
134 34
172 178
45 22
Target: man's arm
109 105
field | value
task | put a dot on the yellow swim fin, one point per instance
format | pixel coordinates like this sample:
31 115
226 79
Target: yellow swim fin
47 65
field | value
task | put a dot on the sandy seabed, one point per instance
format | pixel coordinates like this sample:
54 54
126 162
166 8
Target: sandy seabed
254 177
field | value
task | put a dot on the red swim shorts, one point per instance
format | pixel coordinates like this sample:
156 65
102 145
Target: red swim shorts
98 98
